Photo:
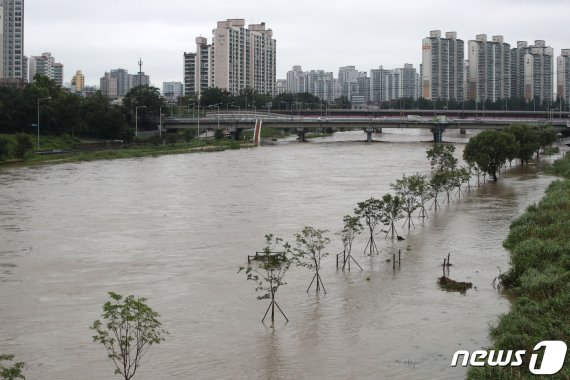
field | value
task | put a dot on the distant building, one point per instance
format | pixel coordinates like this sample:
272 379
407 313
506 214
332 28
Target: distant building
108 86
140 79
172 90
517 69
124 81
442 66
189 73
89 91
13 62
563 80
378 85
489 69
281 86
322 85
296 80
539 72
45 65
78 82
238 58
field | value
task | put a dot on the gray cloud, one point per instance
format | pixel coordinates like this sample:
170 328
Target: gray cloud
99 36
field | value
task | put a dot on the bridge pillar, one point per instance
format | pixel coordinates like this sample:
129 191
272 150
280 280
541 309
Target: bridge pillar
235 133
369 132
378 130
462 131
301 134
437 134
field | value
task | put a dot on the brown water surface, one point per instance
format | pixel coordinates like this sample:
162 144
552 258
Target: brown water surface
175 229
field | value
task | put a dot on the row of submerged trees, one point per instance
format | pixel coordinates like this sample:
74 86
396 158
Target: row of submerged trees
412 195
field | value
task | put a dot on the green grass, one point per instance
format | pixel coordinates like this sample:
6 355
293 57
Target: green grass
539 242
145 149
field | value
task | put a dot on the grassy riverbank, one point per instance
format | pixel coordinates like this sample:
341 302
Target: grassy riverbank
101 151
539 242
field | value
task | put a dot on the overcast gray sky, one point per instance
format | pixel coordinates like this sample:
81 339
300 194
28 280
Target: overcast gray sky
97 36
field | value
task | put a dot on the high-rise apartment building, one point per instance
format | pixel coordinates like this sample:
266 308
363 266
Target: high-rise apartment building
378 85
189 65
517 69
296 80
78 82
563 77
322 85
108 86
13 60
238 58
489 69
45 65
124 81
140 79
442 66
539 72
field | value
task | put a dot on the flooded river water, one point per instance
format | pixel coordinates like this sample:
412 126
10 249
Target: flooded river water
175 229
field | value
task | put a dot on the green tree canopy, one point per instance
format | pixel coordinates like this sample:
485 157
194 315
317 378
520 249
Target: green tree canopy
490 150
528 141
129 328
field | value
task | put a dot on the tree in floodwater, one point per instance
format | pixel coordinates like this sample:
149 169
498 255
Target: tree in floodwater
442 157
528 140
309 251
437 185
267 269
392 212
129 328
407 189
489 151
370 212
352 227
12 372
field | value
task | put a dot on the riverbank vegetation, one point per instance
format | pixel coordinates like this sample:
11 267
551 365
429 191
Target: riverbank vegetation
489 151
539 242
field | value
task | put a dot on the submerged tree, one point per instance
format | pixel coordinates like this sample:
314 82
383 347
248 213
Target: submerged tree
309 251
129 328
437 186
392 212
490 150
352 227
267 269
407 189
441 157
528 140
12 372
370 212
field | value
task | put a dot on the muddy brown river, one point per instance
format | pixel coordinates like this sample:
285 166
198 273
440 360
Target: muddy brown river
175 229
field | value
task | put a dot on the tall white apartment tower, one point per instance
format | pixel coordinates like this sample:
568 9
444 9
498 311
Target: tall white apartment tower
13 60
296 80
517 69
238 58
442 66
539 72
563 76
263 55
489 69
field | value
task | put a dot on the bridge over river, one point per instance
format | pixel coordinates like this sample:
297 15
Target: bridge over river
235 123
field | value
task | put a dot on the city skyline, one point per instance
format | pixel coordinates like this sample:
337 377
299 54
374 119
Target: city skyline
316 35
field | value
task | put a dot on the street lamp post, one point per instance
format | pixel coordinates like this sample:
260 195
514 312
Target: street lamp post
137 120
160 121
218 115
39 100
